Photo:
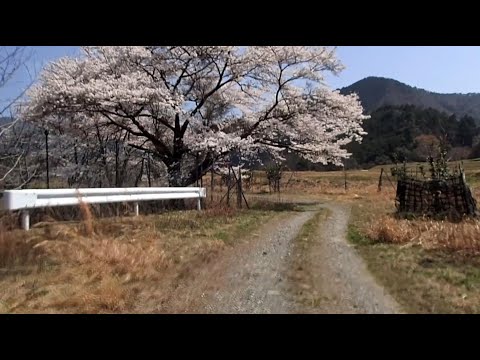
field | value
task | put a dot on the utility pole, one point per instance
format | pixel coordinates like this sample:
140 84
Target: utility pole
149 171
46 158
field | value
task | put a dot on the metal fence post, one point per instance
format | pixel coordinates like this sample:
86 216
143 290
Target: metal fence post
25 220
46 158
137 211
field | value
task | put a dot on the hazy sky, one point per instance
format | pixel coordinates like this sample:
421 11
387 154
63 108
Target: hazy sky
444 69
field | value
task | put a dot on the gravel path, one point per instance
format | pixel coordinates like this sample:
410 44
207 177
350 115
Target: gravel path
254 278
254 282
340 275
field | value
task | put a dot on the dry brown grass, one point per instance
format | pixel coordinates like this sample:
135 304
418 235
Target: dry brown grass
138 264
87 218
113 265
429 266
424 280
325 185
375 218
431 234
15 251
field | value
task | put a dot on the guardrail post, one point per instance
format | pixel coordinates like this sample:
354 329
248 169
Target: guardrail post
199 203
137 212
25 220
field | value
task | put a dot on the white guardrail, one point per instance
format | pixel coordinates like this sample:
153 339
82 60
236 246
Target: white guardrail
38 198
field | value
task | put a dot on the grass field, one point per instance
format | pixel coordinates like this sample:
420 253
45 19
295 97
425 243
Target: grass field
428 266
100 265
120 264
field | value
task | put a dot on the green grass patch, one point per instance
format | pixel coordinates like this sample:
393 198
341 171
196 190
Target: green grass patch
245 222
304 264
421 280
357 238
309 229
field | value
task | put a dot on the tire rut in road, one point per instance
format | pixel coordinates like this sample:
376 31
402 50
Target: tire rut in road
339 281
254 280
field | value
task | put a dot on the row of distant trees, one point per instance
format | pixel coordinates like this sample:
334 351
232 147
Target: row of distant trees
411 133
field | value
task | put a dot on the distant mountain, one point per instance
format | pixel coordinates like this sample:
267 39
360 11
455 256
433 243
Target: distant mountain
375 92
399 132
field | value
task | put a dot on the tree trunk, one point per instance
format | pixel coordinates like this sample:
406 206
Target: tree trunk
149 171
229 179
175 180
140 174
239 188
117 150
211 186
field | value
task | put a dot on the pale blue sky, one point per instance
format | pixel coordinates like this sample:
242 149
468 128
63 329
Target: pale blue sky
38 56
444 69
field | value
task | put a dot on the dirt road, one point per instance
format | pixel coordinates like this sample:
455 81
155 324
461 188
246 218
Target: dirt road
339 277
254 278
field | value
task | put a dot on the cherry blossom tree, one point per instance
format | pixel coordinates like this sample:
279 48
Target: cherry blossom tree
190 105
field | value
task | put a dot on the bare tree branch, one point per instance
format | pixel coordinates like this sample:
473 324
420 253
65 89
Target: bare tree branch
11 60
12 168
